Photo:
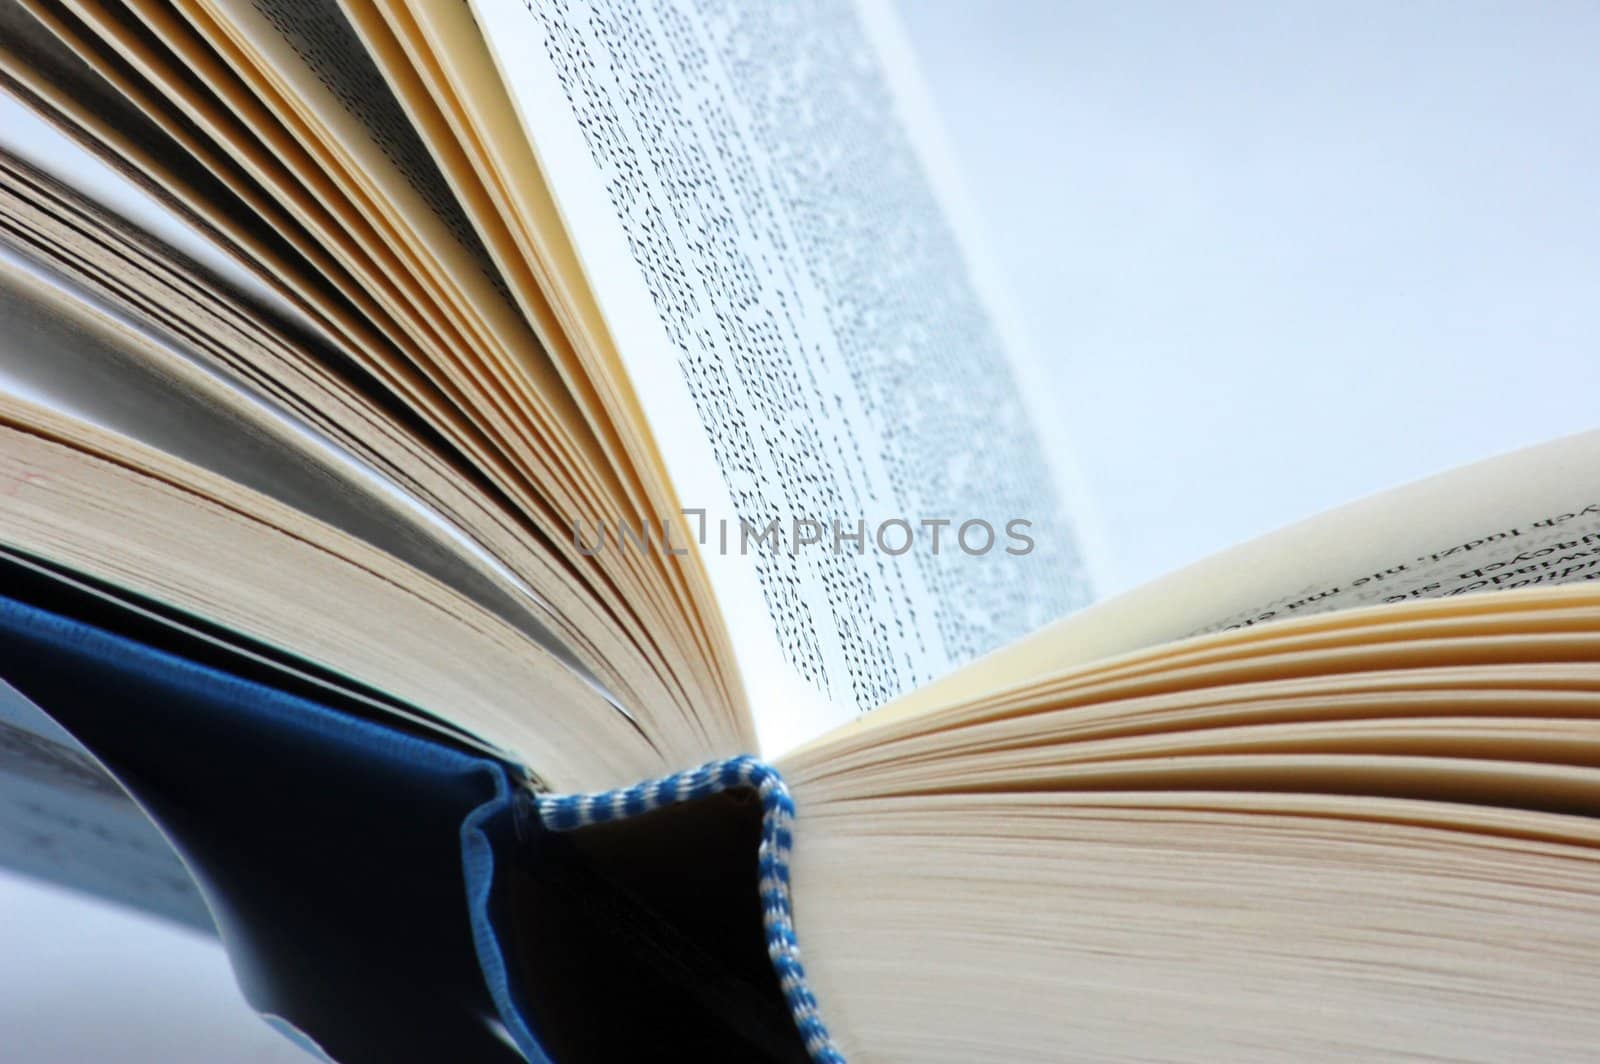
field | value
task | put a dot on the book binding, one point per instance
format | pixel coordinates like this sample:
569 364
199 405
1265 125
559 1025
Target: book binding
571 811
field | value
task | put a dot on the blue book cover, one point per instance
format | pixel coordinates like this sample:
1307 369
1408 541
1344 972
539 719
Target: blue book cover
384 892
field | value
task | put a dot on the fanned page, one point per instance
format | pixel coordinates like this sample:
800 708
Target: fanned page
1367 835
765 231
488 423
1522 520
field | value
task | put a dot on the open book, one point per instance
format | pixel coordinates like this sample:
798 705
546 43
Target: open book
416 412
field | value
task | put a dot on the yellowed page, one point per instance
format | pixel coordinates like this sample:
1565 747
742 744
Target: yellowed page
1527 519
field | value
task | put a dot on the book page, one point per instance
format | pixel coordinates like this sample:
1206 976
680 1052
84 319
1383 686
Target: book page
766 231
1523 520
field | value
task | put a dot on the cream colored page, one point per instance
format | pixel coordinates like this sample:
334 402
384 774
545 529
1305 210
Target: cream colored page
311 45
27 135
1525 519
791 301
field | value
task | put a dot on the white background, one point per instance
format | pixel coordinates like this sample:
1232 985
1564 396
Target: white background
1276 257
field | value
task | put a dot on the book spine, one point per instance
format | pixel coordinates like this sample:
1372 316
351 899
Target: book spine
568 812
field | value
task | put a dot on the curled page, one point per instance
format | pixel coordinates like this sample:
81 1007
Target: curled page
766 233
